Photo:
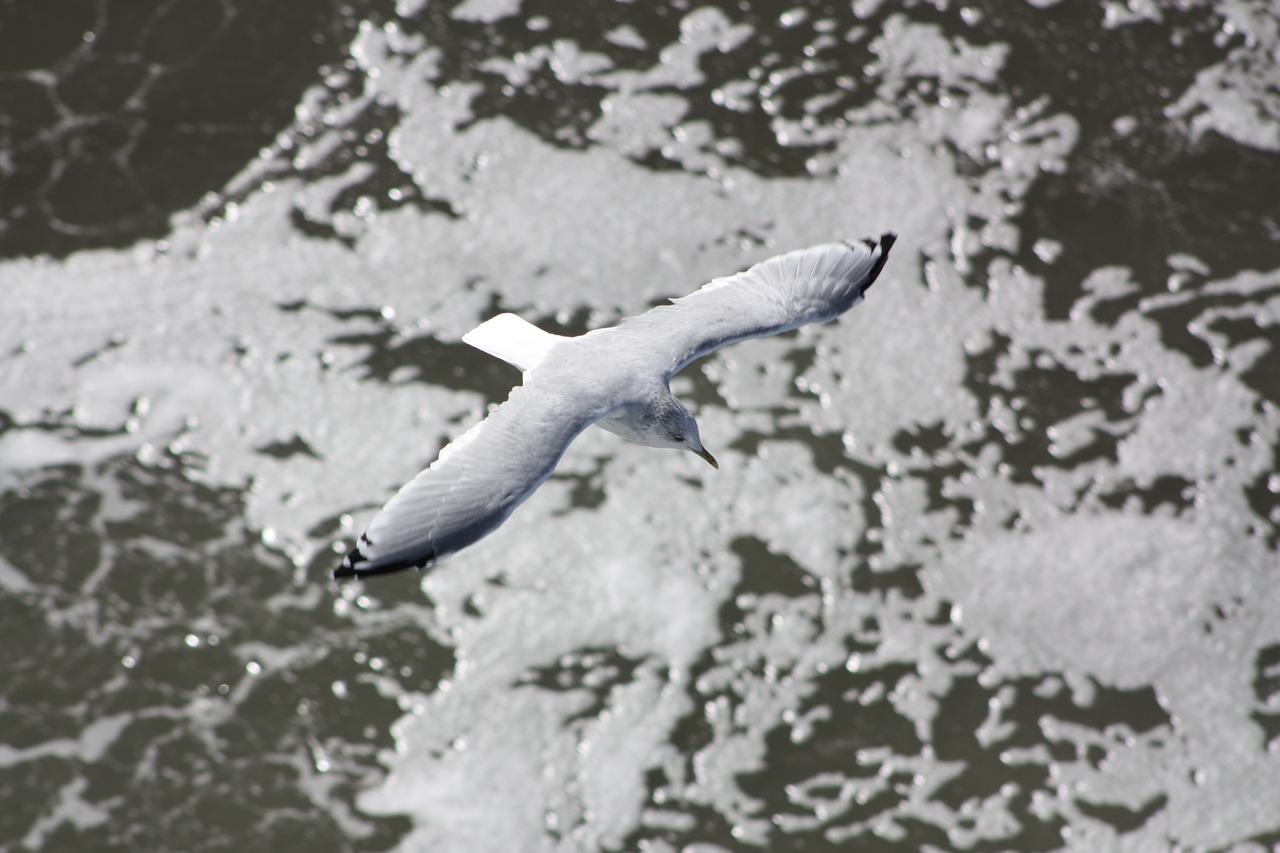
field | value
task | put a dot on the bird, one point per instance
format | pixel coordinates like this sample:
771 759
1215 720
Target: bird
617 378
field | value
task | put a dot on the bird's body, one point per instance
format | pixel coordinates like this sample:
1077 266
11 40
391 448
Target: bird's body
616 378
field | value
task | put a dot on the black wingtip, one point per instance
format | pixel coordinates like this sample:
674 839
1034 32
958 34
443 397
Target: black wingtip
350 567
347 570
885 243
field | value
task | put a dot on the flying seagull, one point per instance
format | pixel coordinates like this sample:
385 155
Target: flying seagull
617 378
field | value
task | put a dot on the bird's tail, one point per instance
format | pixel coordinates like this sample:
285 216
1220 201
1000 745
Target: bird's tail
513 340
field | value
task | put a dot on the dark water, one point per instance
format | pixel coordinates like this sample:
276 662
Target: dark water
1003 579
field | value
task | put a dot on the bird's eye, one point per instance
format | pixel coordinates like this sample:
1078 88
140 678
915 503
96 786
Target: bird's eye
677 437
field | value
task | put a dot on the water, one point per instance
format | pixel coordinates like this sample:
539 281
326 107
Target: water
990 564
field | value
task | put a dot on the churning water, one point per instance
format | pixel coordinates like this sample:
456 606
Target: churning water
990 564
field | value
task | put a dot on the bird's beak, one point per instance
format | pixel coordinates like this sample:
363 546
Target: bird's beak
711 460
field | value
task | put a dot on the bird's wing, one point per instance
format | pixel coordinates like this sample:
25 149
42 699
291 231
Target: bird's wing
476 482
811 285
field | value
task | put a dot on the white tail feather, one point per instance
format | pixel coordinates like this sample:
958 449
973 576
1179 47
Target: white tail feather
513 340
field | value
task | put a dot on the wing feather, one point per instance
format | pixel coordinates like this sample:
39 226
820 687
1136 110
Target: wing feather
811 285
474 484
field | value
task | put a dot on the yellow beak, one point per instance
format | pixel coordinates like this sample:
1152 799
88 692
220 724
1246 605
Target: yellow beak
711 460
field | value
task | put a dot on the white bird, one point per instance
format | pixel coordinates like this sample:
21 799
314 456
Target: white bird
617 378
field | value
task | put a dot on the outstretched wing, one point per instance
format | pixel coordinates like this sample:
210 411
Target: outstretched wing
811 285
474 485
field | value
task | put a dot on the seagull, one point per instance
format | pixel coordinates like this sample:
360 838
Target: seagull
617 378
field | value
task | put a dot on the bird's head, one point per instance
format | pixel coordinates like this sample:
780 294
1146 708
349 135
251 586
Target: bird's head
673 426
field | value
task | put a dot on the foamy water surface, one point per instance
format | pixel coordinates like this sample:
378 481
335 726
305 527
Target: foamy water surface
991 563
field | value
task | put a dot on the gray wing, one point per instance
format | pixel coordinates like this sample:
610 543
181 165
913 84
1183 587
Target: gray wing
811 285
475 484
